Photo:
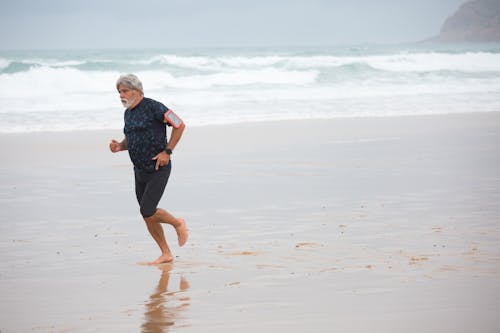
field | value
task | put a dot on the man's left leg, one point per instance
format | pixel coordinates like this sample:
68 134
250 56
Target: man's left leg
179 224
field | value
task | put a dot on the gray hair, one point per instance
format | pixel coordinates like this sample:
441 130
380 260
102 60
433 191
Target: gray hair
130 81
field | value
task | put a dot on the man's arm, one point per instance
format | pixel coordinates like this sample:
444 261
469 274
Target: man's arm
178 127
116 146
175 136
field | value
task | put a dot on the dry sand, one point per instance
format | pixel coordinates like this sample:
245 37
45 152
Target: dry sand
346 225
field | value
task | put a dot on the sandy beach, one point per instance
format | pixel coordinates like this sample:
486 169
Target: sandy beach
342 225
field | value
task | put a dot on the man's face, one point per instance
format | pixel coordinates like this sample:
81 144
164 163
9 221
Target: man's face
127 96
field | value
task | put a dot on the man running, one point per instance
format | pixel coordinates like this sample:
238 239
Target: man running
145 130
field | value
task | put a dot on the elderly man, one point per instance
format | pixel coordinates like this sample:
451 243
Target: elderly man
146 141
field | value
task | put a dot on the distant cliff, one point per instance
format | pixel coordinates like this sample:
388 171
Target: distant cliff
475 21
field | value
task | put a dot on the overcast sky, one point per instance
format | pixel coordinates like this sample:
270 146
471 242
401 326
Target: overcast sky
48 24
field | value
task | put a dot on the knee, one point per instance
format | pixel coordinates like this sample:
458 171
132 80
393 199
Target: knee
148 214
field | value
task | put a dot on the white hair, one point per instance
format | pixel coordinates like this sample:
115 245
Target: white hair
130 81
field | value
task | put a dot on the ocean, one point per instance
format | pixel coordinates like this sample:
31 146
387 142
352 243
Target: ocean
67 90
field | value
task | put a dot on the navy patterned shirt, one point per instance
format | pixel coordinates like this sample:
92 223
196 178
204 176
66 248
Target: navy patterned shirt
146 133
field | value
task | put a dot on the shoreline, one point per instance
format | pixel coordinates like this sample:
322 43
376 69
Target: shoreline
270 122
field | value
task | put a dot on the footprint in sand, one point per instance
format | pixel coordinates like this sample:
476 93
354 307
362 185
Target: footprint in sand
416 260
245 253
307 245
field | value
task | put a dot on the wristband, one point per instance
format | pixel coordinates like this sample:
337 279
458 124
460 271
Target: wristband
172 119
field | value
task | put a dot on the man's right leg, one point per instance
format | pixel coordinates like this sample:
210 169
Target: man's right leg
147 208
156 231
154 216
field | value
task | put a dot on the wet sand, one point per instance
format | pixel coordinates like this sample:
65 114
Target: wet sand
346 225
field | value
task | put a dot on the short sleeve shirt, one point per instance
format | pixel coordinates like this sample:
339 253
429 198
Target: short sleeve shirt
146 133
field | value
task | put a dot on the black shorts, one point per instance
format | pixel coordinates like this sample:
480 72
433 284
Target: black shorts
149 188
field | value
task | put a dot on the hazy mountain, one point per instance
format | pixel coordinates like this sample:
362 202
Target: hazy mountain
474 21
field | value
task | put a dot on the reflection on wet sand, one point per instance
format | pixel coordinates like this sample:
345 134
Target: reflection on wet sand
159 314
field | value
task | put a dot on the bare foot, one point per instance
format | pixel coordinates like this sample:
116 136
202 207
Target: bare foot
163 259
182 232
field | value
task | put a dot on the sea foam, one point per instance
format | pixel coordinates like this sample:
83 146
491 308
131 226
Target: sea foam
76 90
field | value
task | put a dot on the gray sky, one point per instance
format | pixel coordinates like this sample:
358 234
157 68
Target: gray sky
47 24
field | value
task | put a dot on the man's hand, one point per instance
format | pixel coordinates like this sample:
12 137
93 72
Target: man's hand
115 146
161 159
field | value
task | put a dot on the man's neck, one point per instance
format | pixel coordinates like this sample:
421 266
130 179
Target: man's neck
139 99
